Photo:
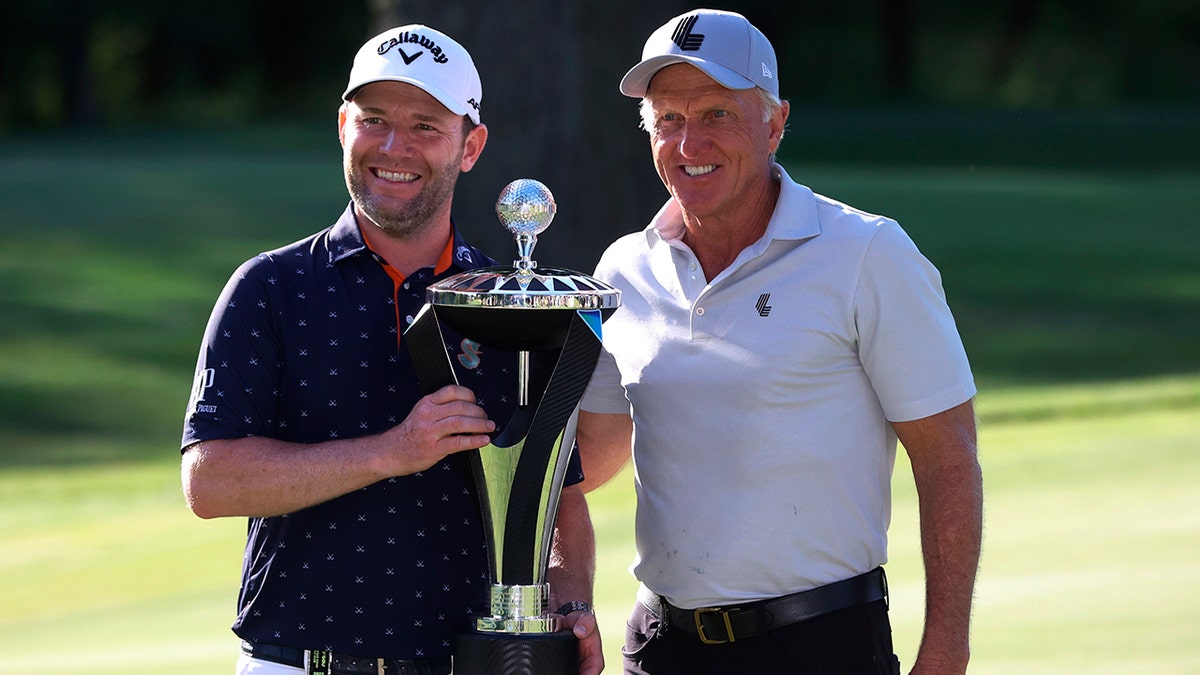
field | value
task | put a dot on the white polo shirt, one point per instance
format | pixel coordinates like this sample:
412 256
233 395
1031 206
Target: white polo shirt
760 400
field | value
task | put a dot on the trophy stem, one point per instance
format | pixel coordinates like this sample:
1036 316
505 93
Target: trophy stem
523 378
525 244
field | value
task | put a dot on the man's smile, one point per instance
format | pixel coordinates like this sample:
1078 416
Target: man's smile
395 176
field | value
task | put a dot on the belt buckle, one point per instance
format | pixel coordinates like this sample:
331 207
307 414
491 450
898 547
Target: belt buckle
696 616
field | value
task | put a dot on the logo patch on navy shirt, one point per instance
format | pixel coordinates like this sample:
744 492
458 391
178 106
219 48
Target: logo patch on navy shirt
204 380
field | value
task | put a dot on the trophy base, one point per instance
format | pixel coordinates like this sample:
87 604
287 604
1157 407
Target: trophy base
517 654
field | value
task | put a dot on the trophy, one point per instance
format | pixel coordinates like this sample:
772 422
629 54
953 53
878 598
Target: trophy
551 318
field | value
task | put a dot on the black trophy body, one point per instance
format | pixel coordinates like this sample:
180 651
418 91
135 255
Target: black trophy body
552 319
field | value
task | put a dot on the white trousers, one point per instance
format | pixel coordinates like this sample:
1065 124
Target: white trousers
248 665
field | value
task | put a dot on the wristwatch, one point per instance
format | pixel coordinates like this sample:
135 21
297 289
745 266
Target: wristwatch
575 606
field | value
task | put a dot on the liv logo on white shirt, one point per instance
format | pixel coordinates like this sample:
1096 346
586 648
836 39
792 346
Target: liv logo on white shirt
763 308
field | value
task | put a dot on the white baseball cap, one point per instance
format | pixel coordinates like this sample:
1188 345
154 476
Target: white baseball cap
422 57
725 45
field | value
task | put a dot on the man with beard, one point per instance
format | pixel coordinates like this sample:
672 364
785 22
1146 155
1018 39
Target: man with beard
365 550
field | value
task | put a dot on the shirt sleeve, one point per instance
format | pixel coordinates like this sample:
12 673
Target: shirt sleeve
237 372
908 341
604 393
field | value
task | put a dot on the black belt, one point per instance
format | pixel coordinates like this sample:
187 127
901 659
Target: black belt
341 664
718 625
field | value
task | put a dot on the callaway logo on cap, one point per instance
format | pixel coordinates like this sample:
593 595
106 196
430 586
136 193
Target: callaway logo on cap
422 57
722 44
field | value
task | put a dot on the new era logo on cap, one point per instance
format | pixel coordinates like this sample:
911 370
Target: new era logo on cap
725 45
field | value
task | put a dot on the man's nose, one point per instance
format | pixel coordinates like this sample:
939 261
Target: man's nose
395 142
693 138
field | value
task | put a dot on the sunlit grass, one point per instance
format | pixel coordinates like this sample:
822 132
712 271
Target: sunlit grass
1089 513
1091 538
1076 290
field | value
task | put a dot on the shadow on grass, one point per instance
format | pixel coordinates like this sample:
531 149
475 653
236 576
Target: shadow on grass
1067 244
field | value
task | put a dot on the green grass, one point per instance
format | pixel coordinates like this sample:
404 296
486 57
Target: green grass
1090 549
1091 546
1077 290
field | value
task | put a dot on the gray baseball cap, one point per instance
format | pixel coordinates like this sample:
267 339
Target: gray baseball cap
725 45
422 57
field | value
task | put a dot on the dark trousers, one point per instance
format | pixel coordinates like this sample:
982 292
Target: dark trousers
852 641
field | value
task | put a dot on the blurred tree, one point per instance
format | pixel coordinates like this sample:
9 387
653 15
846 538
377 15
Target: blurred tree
304 56
79 103
896 22
550 71
71 62
1016 32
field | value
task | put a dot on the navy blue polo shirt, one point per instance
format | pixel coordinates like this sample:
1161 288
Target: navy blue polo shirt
305 345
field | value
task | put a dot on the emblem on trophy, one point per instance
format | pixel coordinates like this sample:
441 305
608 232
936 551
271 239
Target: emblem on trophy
552 319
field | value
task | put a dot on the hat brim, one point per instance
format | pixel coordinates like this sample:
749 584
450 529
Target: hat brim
442 97
637 80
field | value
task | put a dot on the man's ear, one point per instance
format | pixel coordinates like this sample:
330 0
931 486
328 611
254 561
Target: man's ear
473 147
342 125
779 125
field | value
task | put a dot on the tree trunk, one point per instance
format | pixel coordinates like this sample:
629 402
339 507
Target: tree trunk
550 70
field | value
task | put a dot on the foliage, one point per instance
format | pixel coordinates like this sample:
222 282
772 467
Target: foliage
134 61
550 70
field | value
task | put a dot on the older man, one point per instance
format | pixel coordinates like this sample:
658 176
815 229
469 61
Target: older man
771 346
365 551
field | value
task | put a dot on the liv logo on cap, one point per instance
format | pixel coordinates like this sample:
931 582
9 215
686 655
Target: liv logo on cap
684 37
725 45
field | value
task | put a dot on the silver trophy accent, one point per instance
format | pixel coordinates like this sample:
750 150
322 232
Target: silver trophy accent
553 318
525 208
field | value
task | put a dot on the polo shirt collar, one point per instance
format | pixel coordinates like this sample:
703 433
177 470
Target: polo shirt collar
346 240
464 256
795 215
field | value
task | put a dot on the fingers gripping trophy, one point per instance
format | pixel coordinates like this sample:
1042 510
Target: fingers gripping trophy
552 319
